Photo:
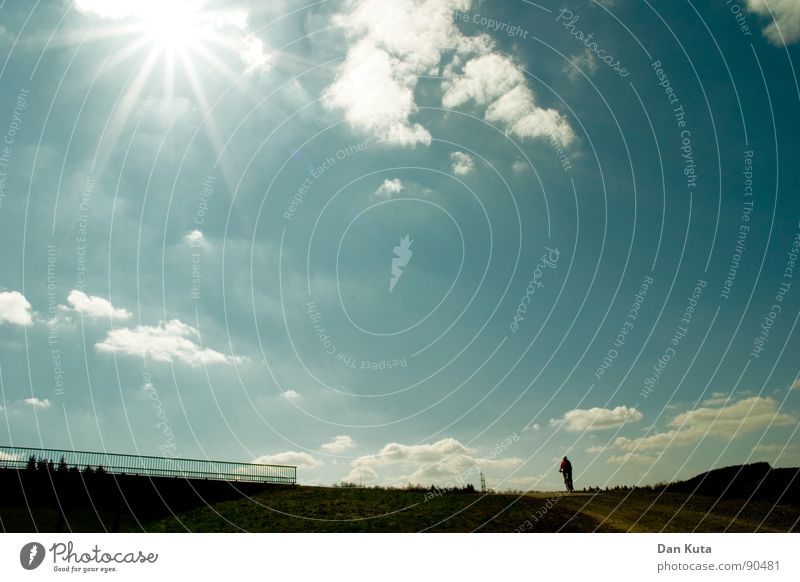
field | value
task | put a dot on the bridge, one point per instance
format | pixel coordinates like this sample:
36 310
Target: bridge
59 460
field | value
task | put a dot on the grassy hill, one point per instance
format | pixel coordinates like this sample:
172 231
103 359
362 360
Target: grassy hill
318 509
749 498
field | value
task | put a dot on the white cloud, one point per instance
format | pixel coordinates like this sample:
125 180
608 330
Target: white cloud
531 428
253 55
737 419
165 342
389 188
796 385
519 166
445 462
596 450
291 394
392 44
95 307
631 458
195 238
37 402
493 81
597 418
785 15
301 460
462 163
339 444
14 308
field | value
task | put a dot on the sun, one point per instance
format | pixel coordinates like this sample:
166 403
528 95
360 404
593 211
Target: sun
173 25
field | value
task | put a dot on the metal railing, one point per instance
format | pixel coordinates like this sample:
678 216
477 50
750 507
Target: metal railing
119 464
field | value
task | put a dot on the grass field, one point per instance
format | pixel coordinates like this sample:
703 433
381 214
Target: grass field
318 509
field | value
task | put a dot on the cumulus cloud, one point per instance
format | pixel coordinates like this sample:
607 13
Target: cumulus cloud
37 402
339 444
389 188
519 166
785 15
445 462
531 428
299 459
462 163
166 342
737 419
796 385
392 44
95 307
580 420
291 394
14 308
493 81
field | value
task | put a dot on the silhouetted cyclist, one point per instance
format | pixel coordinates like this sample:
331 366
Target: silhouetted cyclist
566 470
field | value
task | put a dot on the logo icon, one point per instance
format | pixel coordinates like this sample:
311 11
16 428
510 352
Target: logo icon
400 260
31 555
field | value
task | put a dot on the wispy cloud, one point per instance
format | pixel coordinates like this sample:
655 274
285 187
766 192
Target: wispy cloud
339 444
727 422
299 459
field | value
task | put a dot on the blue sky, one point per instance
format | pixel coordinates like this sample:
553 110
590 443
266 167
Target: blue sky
403 242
